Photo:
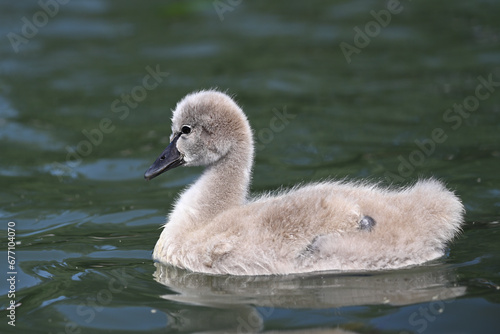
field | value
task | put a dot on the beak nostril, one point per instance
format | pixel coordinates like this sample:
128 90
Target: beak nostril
162 157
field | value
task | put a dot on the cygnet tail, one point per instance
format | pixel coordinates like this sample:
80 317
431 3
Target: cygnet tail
438 209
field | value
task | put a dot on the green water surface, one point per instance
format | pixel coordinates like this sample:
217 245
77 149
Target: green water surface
381 90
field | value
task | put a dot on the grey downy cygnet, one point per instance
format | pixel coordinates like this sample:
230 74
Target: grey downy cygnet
215 227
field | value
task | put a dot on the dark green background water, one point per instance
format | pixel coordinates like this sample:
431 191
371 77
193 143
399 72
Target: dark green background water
86 225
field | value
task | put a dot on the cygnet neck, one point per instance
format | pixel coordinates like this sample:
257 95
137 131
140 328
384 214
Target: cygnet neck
223 185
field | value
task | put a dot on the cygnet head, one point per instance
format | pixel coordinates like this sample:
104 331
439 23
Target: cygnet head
206 127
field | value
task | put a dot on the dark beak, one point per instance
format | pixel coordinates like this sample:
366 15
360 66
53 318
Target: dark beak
169 159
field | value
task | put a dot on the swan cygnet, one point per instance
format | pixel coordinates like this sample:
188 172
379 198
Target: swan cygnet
216 228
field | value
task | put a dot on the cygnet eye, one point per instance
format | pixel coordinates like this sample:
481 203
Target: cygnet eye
186 129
